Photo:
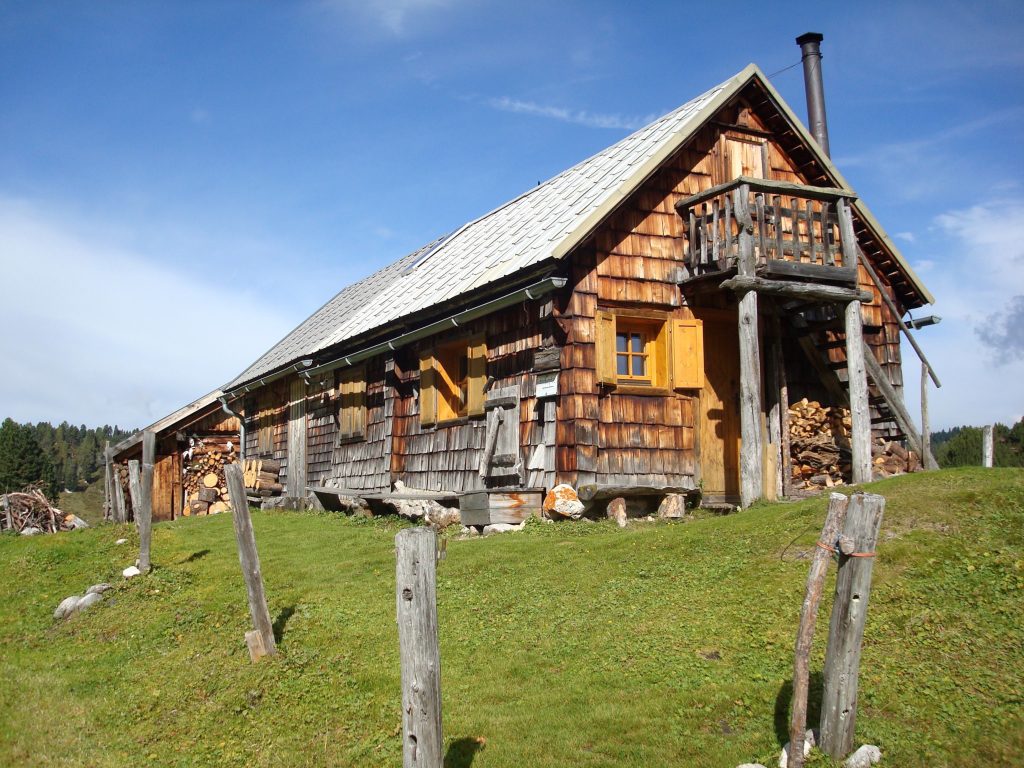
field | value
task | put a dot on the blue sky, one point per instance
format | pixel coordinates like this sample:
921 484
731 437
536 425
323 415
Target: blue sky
182 183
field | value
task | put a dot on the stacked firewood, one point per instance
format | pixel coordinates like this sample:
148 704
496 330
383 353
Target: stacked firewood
30 509
819 444
206 489
819 447
262 476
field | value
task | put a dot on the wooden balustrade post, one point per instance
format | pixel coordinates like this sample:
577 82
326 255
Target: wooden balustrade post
261 638
751 448
846 627
420 654
144 512
834 520
987 447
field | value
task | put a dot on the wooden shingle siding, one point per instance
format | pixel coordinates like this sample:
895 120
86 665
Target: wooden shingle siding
321 428
365 463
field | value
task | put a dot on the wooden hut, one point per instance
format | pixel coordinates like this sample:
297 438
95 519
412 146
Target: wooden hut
637 323
192 444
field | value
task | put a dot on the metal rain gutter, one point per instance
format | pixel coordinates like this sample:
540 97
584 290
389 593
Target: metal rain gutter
536 290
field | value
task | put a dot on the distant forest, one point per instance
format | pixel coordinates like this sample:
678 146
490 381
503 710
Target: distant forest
961 446
64 457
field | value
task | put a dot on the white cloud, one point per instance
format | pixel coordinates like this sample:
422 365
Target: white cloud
906 236
98 333
577 117
397 17
978 282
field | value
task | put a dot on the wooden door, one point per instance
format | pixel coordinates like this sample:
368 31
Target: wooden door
719 406
742 156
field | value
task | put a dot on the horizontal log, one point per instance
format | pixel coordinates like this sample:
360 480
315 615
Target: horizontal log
742 283
810 271
767 185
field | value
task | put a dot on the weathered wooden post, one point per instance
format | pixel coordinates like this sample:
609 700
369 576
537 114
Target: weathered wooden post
751 450
260 639
144 512
834 520
846 628
987 447
860 410
120 509
926 429
416 599
108 499
134 487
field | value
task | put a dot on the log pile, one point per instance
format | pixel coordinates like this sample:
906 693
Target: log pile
29 509
819 442
206 489
262 476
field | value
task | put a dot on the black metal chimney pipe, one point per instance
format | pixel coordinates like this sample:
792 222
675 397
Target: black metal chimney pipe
814 86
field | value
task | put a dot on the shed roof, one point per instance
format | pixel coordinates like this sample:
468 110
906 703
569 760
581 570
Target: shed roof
191 412
546 222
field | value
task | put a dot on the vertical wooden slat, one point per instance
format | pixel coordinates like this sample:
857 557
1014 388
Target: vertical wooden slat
692 242
605 348
703 233
728 230
794 218
716 253
812 244
828 253
428 391
762 229
108 501
987 447
777 221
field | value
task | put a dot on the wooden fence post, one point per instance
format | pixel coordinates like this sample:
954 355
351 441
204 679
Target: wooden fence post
120 509
834 520
751 448
144 512
987 447
261 639
846 628
416 600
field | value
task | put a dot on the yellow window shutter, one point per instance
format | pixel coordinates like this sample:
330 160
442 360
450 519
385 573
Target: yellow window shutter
605 356
477 373
428 392
359 416
688 354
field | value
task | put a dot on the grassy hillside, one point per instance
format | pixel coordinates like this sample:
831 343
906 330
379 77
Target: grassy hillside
87 504
568 644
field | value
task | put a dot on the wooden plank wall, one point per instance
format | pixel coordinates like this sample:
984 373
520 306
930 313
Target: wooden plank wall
276 395
321 428
366 463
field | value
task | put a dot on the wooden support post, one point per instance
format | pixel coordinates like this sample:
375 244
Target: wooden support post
120 511
144 512
778 397
416 599
261 639
926 429
808 616
108 498
296 482
987 447
846 628
134 488
860 410
751 449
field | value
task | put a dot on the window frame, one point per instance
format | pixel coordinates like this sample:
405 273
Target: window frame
674 350
437 380
350 416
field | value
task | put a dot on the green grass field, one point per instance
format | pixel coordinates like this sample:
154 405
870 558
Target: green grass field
565 645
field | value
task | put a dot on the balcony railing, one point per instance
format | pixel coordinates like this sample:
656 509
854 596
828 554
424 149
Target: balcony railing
797 230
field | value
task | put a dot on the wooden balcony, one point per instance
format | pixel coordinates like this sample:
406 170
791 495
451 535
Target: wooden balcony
797 232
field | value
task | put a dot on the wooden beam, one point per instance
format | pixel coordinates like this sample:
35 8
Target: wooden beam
860 409
926 430
779 268
793 290
987 447
781 387
820 559
895 403
261 640
846 627
751 448
120 510
144 512
419 651
767 185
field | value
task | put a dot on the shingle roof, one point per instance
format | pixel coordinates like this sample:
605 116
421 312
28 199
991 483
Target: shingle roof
524 231
543 223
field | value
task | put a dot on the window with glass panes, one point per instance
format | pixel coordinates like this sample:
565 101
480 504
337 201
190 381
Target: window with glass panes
634 353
